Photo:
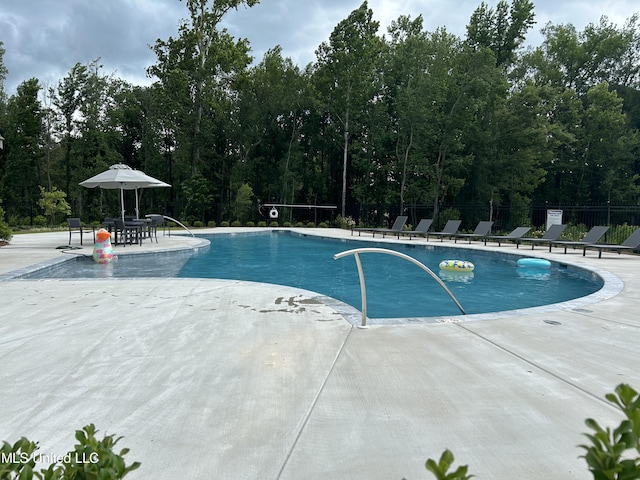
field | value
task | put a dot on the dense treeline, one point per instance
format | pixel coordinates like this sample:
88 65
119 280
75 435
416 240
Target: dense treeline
404 118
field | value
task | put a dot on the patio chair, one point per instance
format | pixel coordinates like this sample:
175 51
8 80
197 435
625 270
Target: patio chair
396 228
553 233
421 229
592 236
515 235
127 233
449 230
482 230
157 220
152 227
75 226
631 243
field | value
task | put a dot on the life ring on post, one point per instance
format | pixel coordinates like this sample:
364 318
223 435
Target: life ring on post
273 213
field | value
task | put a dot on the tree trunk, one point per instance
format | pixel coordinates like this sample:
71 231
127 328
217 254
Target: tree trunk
403 181
344 163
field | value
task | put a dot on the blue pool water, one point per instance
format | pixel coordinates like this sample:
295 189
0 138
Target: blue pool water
395 287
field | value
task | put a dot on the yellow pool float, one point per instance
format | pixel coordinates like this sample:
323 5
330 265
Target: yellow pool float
457 266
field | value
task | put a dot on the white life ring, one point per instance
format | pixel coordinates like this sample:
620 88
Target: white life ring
457 266
273 213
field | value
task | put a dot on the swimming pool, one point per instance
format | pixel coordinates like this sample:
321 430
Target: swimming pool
395 287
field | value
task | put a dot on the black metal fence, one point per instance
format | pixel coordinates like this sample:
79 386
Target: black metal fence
506 218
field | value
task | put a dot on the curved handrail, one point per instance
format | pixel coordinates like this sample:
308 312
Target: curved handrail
178 222
363 290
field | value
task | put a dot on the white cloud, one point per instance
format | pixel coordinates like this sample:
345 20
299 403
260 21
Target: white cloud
44 39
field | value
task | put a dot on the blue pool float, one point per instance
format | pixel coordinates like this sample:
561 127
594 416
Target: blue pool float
533 263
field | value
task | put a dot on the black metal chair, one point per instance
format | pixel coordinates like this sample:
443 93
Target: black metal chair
75 226
157 220
127 233
153 228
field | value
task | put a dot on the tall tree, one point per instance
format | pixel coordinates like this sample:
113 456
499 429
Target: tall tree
608 147
563 110
202 60
439 86
403 72
581 73
67 99
502 30
3 75
22 173
569 59
3 106
272 102
48 125
196 73
86 103
462 83
345 73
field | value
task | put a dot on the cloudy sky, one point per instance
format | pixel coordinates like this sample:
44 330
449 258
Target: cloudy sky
46 38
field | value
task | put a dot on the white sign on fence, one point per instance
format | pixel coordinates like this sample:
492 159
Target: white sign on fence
554 217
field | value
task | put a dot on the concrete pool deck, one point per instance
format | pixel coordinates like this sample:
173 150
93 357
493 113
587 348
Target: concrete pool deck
238 380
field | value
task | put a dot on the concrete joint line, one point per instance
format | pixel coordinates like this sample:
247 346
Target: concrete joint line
536 366
314 402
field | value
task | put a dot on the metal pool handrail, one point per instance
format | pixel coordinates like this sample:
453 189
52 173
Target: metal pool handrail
363 289
166 217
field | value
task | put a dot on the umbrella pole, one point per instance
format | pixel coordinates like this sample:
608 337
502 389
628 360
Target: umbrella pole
137 205
122 202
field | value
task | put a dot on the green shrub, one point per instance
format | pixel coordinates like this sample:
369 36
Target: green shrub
440 469
300 224
90 459
606 456
262 223
5 231
196 191
619 233
224 223
519 210
39 221
448 214
345 222
236 223
243 202
211 224
323 225
536 233
250 224
574 233
311 225
53 202
286 224
198 224
274 224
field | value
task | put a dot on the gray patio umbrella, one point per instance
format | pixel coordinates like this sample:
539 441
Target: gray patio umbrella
123 177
